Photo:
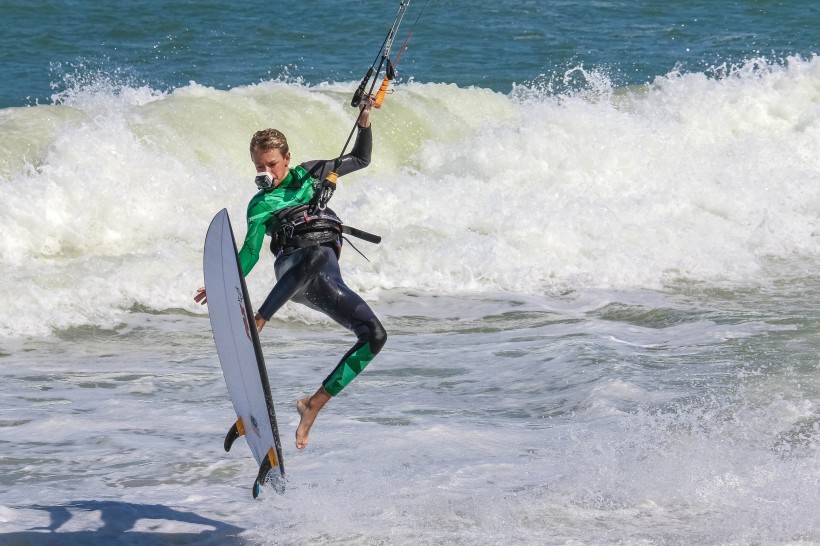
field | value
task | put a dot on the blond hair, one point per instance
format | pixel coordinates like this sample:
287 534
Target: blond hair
269 139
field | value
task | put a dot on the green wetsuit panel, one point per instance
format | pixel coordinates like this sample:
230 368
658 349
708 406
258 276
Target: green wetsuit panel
348 369
296 189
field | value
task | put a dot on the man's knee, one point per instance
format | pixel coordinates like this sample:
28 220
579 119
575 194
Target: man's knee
372 332
378 335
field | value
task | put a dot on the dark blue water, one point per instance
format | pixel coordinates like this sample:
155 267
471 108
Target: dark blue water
49 45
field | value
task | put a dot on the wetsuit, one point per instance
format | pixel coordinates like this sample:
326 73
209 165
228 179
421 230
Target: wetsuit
307 271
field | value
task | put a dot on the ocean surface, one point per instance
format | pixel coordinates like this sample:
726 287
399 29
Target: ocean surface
601 239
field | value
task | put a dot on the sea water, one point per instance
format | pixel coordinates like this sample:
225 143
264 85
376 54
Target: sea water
598 274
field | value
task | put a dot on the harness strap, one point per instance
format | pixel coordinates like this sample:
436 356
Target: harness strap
359 234
300 229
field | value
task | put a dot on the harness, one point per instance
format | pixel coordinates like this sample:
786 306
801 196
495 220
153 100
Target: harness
302 228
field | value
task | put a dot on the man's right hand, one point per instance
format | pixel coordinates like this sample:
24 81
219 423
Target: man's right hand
260 322
200 297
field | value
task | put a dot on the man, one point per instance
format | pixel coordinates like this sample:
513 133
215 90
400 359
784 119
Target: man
307 243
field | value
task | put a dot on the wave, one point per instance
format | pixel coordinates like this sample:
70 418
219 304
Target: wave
706 177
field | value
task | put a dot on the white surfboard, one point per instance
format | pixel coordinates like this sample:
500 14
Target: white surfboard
237 344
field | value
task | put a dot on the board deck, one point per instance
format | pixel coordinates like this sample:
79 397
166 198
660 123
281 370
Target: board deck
240 354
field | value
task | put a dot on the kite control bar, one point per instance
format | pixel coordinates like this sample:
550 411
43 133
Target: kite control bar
383 61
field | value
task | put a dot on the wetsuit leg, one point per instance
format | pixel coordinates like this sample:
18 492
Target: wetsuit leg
328 293
311 276
371 337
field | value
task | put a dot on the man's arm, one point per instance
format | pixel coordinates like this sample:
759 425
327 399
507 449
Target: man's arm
249 254
359 156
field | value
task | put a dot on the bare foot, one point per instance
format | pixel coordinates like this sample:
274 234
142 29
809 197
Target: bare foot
308 409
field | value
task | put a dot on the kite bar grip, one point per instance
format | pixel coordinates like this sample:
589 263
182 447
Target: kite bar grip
382 92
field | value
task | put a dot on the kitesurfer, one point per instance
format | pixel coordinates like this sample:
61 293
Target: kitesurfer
307 242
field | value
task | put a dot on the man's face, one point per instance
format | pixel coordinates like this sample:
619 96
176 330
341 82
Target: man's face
272 163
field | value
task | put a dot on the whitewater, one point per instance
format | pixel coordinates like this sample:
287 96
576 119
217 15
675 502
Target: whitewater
474 190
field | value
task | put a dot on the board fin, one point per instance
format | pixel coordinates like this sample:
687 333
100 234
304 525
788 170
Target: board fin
237 430
264 471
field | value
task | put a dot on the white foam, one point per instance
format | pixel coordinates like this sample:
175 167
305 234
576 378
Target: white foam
693 177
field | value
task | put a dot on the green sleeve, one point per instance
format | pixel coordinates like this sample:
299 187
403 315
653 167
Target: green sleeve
249 254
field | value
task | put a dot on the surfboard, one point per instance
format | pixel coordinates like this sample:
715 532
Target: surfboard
240 354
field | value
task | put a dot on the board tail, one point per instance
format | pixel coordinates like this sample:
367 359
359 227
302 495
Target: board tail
278 481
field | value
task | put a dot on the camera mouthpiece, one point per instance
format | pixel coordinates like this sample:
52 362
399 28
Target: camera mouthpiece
264 181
